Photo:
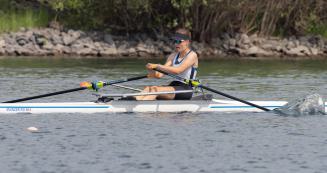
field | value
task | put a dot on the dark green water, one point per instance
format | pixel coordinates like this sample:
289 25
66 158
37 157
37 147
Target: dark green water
210 142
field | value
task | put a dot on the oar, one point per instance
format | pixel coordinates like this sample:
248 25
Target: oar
99 85
198 84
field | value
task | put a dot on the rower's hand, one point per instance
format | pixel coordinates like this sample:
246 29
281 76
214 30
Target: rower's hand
153 74
151 66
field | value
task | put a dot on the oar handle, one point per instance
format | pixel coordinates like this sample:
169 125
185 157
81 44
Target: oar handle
125 80
197 84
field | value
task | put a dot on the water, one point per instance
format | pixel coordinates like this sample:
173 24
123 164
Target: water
211 142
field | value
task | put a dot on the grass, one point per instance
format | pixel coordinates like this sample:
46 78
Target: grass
13 19
319 29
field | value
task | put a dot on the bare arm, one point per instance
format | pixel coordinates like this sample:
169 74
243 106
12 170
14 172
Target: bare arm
156 74
190 61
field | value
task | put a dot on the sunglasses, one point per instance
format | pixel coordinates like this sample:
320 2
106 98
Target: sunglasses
178 41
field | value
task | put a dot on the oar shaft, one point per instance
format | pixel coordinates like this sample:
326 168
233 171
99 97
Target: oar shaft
46 95
74 89
212 90
234 98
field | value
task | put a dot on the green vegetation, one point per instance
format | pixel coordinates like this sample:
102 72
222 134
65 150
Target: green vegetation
206 18
14 16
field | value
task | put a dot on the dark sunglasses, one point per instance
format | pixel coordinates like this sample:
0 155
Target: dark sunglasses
178 41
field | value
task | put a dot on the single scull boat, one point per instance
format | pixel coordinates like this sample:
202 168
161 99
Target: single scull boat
107 103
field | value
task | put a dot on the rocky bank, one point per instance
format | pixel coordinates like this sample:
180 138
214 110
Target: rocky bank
55 42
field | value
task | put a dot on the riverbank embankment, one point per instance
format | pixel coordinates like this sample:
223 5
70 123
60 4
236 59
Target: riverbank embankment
55 42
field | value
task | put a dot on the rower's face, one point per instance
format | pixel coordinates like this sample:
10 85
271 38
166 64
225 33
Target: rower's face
181 45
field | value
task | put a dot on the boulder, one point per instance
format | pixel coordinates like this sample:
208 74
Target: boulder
290 45
297 51
9 39
148 48
107 38
26 50
58 48
255 51
87 52
2 43
40 39
244 39
70 37
232 42
2 51
317 40
21 40
57 39
109 51
47 46
314 51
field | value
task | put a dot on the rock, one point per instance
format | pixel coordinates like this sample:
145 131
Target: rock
314 51
2 43
245 39
290 45
225 46
70 37
108 51
132 52
303 40
297 43
256 40
225 36
256 51
56 39
21 40
216 42
9 39
40 40
166 49
67 39
232 42
61 49
87 52
2 51
58 48
75 34
243 46
297 51
108 39
48 46
25 50
97 46
317 40
143 49
10 51
271 45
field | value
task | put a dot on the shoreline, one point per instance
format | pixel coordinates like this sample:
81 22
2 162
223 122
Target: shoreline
67 43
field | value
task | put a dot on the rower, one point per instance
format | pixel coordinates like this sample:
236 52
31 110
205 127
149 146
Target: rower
183 62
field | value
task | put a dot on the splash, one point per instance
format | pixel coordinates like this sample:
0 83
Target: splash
310 105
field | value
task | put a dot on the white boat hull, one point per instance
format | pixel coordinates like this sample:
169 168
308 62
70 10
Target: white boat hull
118 106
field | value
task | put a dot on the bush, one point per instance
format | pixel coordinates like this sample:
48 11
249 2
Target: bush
13 16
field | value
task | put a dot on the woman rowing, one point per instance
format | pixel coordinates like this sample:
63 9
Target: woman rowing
183 62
